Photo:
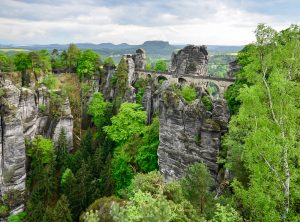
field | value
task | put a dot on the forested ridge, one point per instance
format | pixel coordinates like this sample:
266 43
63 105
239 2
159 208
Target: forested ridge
112 173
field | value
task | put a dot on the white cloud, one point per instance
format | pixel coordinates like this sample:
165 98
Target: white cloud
197 22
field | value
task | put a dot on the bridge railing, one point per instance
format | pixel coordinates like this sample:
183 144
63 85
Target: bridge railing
188 75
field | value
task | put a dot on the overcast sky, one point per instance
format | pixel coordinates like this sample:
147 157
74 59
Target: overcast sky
223 22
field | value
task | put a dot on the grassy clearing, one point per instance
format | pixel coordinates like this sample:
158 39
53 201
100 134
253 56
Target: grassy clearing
13 50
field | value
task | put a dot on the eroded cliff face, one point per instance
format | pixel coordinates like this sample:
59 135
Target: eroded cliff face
191 60
188 134
21 120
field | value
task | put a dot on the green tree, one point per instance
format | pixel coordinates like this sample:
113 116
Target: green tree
23 63
226 214
88 64
61 212
130 121
62 148
122 171
189 93
6 63
109 61
146 157
41 149
150 199
196 185
83 190
72 56
144 207
97 109
120 82
161 66
50 81
268 127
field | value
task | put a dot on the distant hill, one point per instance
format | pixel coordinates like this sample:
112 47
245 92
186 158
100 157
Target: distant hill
154 49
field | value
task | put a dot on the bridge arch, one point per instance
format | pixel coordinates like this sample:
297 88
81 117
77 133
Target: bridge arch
182 80
161 78
213 89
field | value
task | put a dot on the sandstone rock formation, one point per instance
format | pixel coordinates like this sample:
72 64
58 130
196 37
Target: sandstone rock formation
191 60
188 134
21 119
140 59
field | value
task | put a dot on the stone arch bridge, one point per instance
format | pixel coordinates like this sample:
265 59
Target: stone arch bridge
202 81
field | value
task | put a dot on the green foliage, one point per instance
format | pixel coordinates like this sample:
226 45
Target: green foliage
151 182
6 63
91 216
128 122
62 148
40 60
196 185
71 56
56 101
206 100
226 214
148 67
144 207
147 154
17 217
42 149
61 212
88 64
42 108
2 92
120 82
189 93
102 208
150 199
98 108
231 96
264 137
66 179
22 61
4 210
122 171
109 61
140 86
50 81
137 153
161 66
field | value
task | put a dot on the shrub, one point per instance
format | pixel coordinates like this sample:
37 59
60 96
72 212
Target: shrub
226 214
50 81
109 61
4 211
17 217
188 93
206 100
42 108
2 92
91 216
161 66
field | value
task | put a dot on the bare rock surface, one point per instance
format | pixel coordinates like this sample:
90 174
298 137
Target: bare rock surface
191 60
21 119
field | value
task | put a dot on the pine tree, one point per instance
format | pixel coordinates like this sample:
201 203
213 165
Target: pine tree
62 148
61 212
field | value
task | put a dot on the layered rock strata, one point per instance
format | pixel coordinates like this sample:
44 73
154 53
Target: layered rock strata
191 60
25 114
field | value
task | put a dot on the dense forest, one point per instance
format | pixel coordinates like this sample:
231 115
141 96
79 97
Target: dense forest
112 172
